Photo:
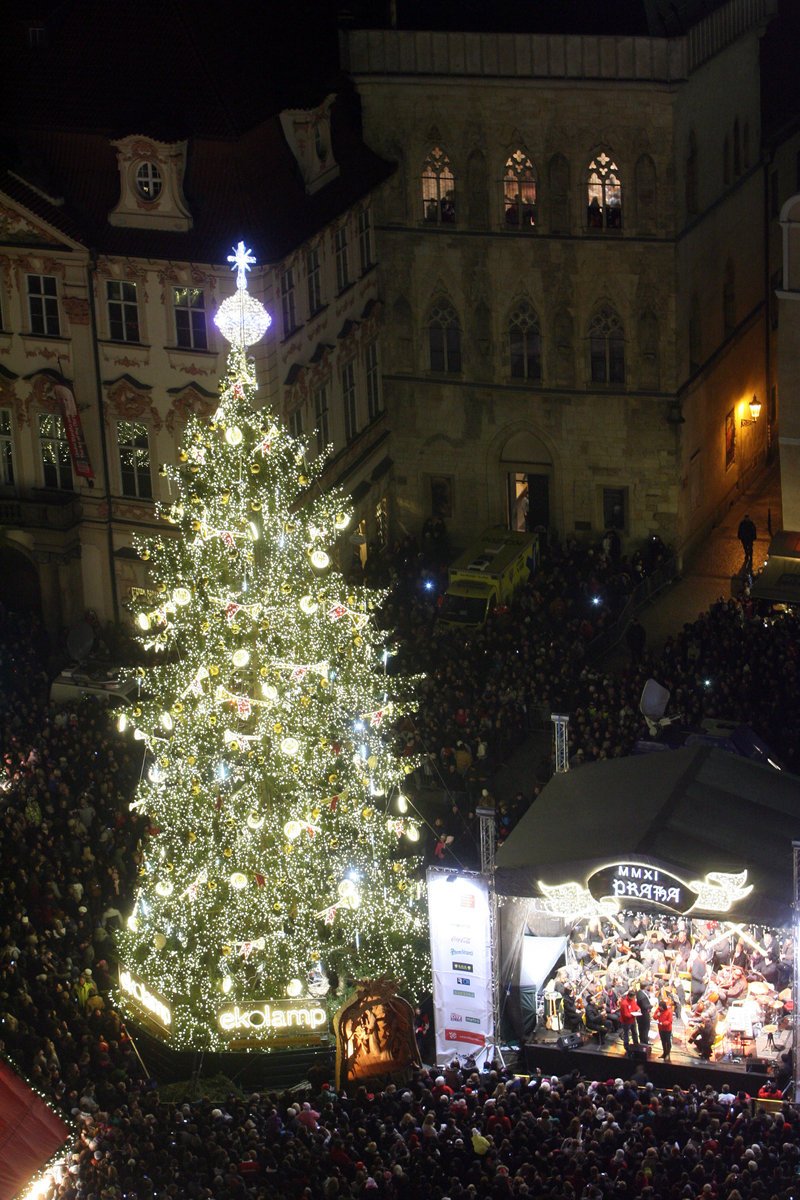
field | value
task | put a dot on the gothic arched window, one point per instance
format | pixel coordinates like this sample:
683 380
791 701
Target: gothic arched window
603 194
438 189
525 343
519 191
444 338
607 346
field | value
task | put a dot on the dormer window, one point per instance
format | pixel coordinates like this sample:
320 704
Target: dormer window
151 185
148 181
308 135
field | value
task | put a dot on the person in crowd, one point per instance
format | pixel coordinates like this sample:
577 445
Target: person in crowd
747 534
645 1008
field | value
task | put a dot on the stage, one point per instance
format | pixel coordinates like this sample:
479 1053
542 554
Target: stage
742 1071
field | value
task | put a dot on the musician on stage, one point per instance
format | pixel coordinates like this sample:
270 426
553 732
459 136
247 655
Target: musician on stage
664 1022
645 1008
595 1016
628 1012
572 1020
705 1034
699 971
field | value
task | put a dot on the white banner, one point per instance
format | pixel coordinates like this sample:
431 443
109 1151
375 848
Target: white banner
461 955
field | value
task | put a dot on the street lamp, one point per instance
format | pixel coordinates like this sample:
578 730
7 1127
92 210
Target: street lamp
755 409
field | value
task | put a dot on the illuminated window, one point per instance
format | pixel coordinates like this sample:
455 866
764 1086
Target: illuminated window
349 401
6 448
373 374
519 192
525 343
365 240
603 194
134 459
191 332
321 416
287 302
607 347
444 338
43 305
438 189
54 451
148 181
342 266
313 276
123 311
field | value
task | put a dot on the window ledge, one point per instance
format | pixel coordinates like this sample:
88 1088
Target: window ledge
39 338
123 342
293 333
368 269
189 350
317 312
351 283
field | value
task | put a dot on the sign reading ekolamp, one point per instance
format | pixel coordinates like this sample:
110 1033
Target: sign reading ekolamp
275 1022
458 906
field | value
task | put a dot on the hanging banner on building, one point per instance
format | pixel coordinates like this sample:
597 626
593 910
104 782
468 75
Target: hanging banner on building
461 956
72 424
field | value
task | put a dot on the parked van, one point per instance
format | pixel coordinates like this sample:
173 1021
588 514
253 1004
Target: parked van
486 576
103 685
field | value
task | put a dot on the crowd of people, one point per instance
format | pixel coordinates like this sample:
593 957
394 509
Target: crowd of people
65 787
484 689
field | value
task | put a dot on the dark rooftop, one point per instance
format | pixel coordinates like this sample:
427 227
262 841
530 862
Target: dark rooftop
637 18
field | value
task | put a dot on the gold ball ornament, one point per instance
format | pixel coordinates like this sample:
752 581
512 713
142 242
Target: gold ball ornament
144 555
228 852
225 498
255 505
159 941
213 669
255 468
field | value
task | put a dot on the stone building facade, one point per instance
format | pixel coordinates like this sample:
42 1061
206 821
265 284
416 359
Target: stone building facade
574 272
112 263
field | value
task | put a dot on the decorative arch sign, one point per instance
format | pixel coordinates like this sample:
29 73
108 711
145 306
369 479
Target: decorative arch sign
630 882
626 882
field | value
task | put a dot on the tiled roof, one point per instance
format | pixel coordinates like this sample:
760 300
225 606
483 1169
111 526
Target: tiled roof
248 186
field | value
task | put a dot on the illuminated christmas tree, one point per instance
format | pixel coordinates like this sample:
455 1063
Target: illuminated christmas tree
271 864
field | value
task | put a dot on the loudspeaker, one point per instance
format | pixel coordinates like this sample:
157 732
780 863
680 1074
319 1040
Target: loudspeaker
642 1053
756 1066
569 1041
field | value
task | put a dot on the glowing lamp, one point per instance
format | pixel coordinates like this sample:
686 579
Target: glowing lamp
143 621
165 887
294 987
238 880
241 658
320 559
234 435
293 829
133 923
242 320
254 533
412 832
139 735
122 722
166 721
342 520
254 821
290 746
308 605
227 983
182 596
402 804
270 691
755 411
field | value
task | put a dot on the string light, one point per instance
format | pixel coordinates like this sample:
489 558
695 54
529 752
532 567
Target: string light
262 794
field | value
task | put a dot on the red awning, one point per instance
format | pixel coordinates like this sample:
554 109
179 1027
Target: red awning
30 1133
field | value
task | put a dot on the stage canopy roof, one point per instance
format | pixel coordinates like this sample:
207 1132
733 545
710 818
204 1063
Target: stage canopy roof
695 810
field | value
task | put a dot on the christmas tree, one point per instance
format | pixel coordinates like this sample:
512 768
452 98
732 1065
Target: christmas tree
273 862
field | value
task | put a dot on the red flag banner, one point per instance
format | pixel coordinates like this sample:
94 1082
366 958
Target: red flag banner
30 1133
72 424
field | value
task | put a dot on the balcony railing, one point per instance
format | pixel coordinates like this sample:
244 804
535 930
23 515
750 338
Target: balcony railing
49 511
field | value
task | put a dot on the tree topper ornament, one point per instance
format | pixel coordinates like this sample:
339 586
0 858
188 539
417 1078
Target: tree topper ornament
241 319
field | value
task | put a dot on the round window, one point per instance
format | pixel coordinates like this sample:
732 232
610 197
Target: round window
148 181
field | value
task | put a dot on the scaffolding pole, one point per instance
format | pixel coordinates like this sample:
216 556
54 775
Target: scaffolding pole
488 836
560 726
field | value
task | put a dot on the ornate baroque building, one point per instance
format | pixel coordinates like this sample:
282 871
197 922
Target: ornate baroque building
115 225
574 266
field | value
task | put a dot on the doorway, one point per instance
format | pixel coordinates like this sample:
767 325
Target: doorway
528 500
